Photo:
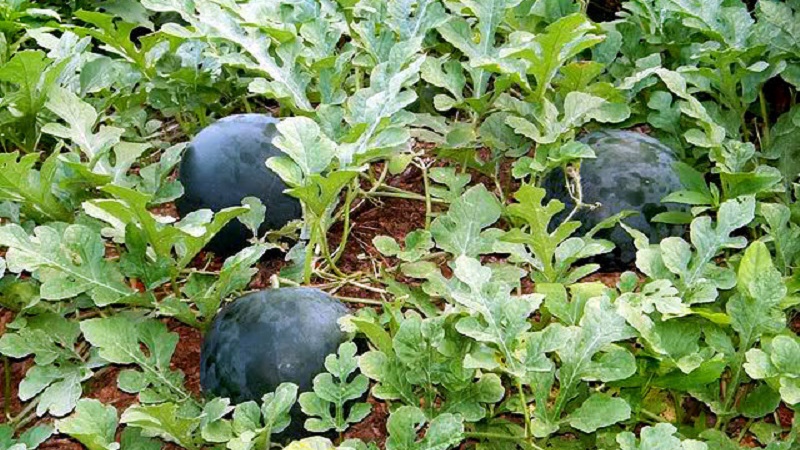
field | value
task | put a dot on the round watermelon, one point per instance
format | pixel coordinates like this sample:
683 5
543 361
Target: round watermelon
225 163
632 171
269 337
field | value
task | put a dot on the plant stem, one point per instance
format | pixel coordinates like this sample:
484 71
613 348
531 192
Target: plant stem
765 117
525 412
499 436
348 200
367 287
653 416
744 431
426 182
25 416
733 388
176 289
406 195
377 184
326 252
366 301
676 400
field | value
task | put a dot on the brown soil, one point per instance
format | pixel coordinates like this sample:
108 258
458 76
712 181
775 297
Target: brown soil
373 428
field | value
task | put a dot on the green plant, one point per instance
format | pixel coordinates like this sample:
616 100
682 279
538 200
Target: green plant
477 326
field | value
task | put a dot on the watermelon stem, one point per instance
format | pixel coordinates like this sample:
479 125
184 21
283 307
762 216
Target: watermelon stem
765 117
428 203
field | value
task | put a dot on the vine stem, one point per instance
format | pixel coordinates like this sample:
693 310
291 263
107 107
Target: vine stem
326 252
525 412
744 431
500 437
352 191
733 387
377 184
653 416
25 416
308 262
366 301
428 203
402 194
762 99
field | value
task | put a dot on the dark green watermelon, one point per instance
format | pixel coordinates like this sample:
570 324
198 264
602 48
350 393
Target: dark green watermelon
267 338
632 171
225 163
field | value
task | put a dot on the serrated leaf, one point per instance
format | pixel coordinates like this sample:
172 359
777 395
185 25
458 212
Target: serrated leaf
275 407
253 218
93 425
302 140
658 437
67 260
461 230
35 77
443 432
469 402
213 428
778 364
334 389
120 339
599 411
164 421
548 51
21 183
81 118
543 244
728 24
756 310
478 44
237 24
496 318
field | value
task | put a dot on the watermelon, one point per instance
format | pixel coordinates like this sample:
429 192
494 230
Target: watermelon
269 337
225 163
632 171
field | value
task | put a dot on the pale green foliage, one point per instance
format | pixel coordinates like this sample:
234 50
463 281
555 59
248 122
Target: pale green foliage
56 378
442 433
35 76
693 271
249 427
28 440
68 260
463 230
778 365
186 237
756 309
93 424
332 390
81 119
459 350
21 183
417 244
543 54
551 253
119 340
496 319
658 437
458 32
